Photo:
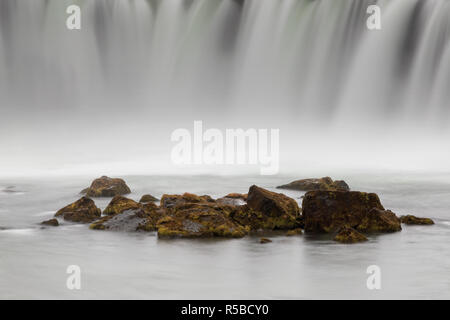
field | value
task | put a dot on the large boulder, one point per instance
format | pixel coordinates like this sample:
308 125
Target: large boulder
107 187
199 219
268 210
349 235
83 210
327 211
412 220
325 183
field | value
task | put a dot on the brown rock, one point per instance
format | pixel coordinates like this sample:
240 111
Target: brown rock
84 210
268 209
378 220
325 183
327 211
107 187
170 201
294 232
51 222
120 204
148 198
349 235
264 240
199 219
412 220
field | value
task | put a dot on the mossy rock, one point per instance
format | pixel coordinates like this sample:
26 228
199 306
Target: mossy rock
83 210
120 204
199 220
148 198
412 220
327 211
379 221
264 240
349 235
106 187
171 201
325 183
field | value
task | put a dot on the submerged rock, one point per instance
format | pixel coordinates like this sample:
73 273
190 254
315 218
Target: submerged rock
107 187
199 219
327 211
325 183
294 232
83 210
233 199
148 198
349 235
412 220
264 240
268 210
51 222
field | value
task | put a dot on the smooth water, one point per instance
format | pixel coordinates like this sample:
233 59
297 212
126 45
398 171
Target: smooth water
33 260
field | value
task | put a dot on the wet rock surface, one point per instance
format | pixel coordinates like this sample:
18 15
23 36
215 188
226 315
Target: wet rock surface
51 223
106 187
349 235
148 198
412 220
325 183
83 210
327 211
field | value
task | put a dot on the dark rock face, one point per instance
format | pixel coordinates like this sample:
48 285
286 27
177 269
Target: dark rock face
268 210
412 220
378 220
83 210
199 219
327 211
148 198
325 183
349 235
51 222
107 187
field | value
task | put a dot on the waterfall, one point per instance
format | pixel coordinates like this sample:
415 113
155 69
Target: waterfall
302 65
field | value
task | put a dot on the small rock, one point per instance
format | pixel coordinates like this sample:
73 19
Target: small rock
51 222
107 187
148 198
170 201
325 183
120 204
349 235
412 220
378 220
294 232
264 240
83 210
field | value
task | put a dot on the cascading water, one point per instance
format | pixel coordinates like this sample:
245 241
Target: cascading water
139 69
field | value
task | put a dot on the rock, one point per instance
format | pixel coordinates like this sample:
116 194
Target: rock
107 187
199 219
242 196
294 232
412 220
148 198
327 211
120 204
378 220
51 222
268 210
349 235
127 215
264 240
170 201
233 199
325 183
84 210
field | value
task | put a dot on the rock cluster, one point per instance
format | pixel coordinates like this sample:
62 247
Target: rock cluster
348 216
